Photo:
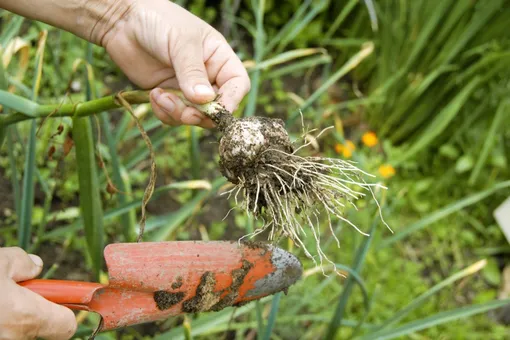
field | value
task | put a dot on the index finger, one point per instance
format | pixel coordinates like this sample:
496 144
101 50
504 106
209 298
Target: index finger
233 91
226 70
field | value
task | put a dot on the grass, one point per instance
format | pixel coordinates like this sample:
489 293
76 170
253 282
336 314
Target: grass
28 186
429 79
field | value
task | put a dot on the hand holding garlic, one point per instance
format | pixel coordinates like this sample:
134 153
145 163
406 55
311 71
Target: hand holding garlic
157 44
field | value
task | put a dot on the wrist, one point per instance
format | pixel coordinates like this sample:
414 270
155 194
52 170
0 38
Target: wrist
103 17
88 19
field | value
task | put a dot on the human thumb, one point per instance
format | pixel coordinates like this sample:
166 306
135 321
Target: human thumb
17 265
187 60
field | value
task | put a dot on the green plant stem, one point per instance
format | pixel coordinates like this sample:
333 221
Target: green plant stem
260 320
272 316
30 168
3 134
128 219
194 149
341 306
91 207
82 109
14 171
31 110
490 139
122 184
25 222
260 39
352 63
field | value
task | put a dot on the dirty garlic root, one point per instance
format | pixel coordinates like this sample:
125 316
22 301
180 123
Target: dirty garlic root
285 191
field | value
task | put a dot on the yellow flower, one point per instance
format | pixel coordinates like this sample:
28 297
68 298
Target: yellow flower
386 170
369 139
345 149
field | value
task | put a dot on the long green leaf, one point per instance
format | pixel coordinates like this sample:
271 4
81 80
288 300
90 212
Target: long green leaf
296 18
191 185
286 57
167 224
275 304
372 15
437 319
288 320
501 113
121 129
490 61
3 135
360 282
27 201
442 213
14 172
354 103
441 121
459 10
123 209
260 319
408 100
90 195
25 90
346 10
345 42
421 42
296 66
194 149
48 198
243 23
142 152
6 134
128 225
311 295
25 218
361 253
11 29
416 303
478 22
3 76
317 7
129 229
148 125
347 67
260 38
18 103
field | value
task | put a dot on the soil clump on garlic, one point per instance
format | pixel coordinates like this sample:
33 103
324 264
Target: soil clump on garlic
290 194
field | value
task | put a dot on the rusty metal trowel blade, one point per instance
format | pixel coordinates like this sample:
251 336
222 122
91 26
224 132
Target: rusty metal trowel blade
153 280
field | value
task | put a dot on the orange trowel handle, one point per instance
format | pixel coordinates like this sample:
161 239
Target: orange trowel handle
75 294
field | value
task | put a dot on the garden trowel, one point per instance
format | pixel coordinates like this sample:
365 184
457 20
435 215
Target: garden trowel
154 280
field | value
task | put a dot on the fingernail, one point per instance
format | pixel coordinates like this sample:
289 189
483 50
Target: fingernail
203 90
156 93
36 259
166 104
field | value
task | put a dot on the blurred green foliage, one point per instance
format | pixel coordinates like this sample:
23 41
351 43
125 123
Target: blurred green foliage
434 90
